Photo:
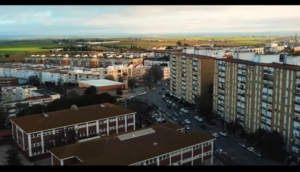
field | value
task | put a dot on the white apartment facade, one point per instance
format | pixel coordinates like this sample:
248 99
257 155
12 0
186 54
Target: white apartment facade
17 93
154 62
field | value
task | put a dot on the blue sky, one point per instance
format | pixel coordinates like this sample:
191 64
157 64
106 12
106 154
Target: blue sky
110 20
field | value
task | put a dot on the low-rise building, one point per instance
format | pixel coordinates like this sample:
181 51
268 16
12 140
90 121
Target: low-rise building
102 85
8 81
35 134
156 146
139 71
44 92
17 93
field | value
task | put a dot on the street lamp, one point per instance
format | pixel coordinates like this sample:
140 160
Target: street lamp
287 159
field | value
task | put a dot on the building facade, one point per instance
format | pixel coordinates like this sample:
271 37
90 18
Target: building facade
191 76
259 95
34 133
197 149
9 81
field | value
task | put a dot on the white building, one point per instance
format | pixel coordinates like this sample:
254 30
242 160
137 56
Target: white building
153 62
17 93
44 92
54 76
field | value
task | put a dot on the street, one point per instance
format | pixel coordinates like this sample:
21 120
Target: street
228 144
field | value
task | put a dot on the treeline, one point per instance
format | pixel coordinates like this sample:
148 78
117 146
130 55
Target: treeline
66 103
74 48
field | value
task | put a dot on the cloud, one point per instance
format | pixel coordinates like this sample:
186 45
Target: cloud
148 19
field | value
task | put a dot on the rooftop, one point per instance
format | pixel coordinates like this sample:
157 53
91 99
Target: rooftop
101 82
193 56
7 78
154 141
34 123
274 65
45 92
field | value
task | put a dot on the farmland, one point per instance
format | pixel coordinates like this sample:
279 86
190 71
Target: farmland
18 49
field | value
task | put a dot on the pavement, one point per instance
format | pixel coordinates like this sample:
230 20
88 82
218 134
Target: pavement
228 144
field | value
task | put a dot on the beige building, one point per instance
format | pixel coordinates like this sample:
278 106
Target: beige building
191 76
259 95
139 71
297 49
166 72
117 71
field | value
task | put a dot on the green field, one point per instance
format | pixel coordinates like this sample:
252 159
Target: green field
27 46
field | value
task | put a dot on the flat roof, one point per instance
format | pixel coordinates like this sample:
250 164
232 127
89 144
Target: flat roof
45 92
101 82
57 119
155 141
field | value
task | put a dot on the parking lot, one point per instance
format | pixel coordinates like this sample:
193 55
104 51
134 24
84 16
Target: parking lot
228 144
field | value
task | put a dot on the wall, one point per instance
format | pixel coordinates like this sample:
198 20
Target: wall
244 56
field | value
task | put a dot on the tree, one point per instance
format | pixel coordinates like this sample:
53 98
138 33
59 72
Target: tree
70 136
92 90
179 43
110 77
3 118
156 73
13 158
34 80
20 106
131 83
147 79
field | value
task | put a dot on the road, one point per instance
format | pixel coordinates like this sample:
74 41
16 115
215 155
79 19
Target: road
228 144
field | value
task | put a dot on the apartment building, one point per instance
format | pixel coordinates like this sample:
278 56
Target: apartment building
191 76
259 95
54 75
160 145
119 70
139 71
33 133
80 75
166 72
17 93
8 81
155 62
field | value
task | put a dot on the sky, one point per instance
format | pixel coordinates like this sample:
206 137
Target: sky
152 20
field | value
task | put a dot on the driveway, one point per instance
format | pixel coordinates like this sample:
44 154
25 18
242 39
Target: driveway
228 144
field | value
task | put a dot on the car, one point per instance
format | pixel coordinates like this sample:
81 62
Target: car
251 149
168 114
187 127
200 119
163 89
196 117
220 151
203 126
174 104
168 90
257 153
169 107
174 119
184 110
176 114
182 123
180 113
187 121
215 135
142 93
224 133
131 97
243 145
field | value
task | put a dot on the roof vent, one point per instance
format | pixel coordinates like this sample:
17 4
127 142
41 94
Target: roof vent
154 144
74 108
102 106
45 115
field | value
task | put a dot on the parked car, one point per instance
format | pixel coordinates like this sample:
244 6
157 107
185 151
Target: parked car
224 133
131 97
169 107
182 123
257 153
187 127
251 149
220 151
180 113
243 145
184 110
163 89
215 135
176 114
187 121
174 119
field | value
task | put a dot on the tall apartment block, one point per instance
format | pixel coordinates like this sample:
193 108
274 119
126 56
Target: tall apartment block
191 76
259 95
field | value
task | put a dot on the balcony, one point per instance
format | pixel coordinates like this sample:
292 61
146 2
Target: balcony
297 118
221 76
242 68
221 104
268 86
268 79
221 64
240 120
241 94
221 70
242 81
297 145
268 71
297 103
298 76
221 92
222 88
240 113
242 74
297 111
